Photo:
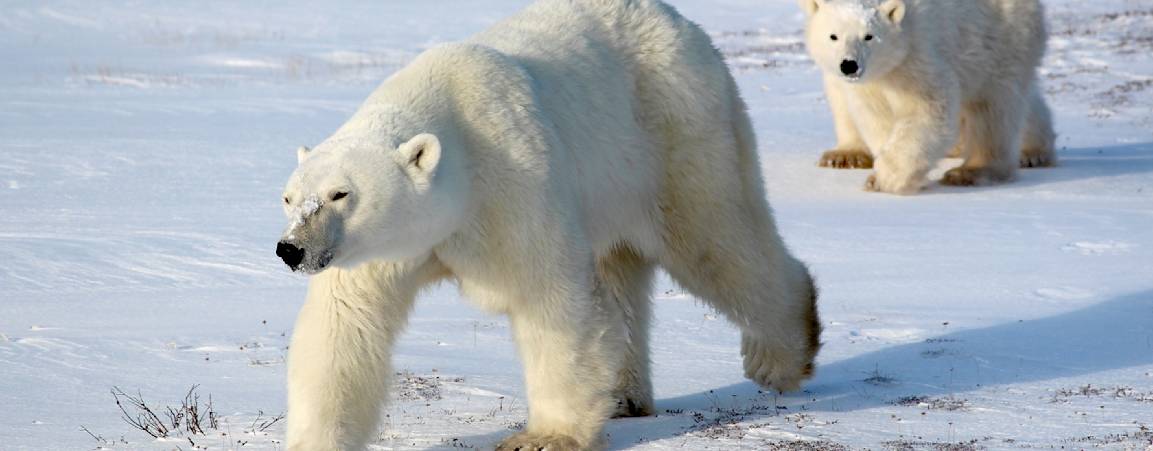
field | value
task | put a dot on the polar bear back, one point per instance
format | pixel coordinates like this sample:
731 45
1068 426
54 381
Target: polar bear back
616 80
978 38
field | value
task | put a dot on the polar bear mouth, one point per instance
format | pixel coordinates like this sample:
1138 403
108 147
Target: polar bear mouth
316 265
310 263
324 260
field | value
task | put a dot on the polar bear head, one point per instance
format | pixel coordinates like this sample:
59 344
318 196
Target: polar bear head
352 200
854 39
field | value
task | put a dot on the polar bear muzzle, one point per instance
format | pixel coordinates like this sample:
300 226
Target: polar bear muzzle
291 254
300 259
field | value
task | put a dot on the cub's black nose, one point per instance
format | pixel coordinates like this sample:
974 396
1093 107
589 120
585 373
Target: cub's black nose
291 254
849 67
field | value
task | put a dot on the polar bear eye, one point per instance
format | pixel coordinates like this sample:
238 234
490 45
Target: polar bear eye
868 37
833 37
286 200
339 195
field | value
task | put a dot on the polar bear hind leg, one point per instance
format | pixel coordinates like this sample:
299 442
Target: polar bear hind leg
1038 140
991 131
722 245
626 278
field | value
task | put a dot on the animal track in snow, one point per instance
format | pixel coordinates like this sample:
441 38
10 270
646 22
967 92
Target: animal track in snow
1062 293
1098 247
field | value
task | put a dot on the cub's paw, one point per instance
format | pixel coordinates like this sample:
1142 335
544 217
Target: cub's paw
963 176
1038 158
878 184
528 441
847 159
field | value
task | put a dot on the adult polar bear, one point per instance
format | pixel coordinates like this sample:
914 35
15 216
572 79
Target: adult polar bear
907 80
547 166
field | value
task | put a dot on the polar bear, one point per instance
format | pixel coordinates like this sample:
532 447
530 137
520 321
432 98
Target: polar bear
547 166
909 80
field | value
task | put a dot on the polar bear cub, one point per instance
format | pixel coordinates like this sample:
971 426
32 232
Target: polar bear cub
547 166
908 80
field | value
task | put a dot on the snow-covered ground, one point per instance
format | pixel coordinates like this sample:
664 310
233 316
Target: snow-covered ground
143 146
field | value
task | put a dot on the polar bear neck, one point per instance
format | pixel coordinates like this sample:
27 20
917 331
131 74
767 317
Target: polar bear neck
380 124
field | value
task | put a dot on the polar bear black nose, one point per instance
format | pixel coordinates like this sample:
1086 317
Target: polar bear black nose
849 67
291 254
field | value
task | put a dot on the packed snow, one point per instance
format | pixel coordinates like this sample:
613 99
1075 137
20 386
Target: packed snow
143 147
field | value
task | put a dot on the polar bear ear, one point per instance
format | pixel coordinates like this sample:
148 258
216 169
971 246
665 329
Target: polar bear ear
302 154
419 156
894 10
811 6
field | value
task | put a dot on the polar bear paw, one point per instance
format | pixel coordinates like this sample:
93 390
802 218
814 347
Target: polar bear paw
773 366
1038 158
963 176
847 159
633 405
879 184
528 441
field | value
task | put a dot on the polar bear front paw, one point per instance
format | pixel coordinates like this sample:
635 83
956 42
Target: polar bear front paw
878 184
847 159
528 441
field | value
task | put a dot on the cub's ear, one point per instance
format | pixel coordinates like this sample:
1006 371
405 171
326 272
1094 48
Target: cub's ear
419 157
894 10
811 6
302 154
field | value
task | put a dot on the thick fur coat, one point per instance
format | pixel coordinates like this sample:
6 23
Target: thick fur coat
910 80
548 166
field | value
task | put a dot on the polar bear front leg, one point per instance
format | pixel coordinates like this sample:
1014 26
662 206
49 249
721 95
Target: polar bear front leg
568 346
339 362
923 133
851 151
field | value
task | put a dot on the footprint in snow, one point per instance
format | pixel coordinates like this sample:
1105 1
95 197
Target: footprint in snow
1098 247
1062 294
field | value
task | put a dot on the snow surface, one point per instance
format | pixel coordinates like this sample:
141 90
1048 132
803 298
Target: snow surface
143 147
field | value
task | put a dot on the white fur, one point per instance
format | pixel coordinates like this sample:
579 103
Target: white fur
547 165
935 74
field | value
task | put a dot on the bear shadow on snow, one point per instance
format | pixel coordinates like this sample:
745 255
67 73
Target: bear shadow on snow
1109 335
1092 162
1073 165
1106 336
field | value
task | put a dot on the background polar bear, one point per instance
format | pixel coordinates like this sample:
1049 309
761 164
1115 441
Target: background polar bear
908 80
547 166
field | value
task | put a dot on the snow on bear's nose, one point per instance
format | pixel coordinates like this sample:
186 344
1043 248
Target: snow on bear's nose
849 67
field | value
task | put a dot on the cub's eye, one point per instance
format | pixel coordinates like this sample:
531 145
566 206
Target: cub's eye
339 195
286 201
833 37
868 37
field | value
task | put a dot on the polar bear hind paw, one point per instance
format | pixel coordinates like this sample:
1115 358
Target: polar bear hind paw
964 176
629 407
528 441
774 367
847 159
1038 158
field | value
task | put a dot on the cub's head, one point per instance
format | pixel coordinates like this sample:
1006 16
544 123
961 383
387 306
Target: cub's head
856 40
349 202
